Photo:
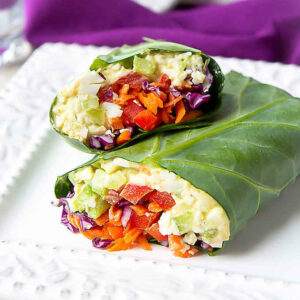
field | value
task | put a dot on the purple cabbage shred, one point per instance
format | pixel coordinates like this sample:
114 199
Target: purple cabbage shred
102 75
85 222
147 88
101 243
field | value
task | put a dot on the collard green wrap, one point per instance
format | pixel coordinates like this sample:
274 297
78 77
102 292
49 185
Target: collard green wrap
244 159
125 55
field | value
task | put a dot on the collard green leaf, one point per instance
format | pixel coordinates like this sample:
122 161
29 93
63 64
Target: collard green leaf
244 159
125 56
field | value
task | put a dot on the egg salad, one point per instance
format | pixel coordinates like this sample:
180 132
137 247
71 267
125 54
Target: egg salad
118 203
108 107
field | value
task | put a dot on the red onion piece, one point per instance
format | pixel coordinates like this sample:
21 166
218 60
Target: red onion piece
126 214
95 142
175 93
124 203
106 140
205 246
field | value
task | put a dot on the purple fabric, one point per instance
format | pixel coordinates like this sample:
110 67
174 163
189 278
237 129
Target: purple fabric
4 4
256 29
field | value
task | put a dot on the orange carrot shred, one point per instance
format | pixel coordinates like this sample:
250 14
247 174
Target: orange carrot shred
143 242
124 98
115 215
154 207
102 219
163 96
173 101
124 90
119 245
192 114
105 232
116 232
151 101
116 123
93 233
132 235
177 246
180 111
139 209
124 137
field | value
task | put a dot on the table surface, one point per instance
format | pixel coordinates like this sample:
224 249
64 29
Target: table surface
7 72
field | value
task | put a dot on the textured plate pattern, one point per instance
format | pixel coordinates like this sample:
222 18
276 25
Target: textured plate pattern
43 272
46 272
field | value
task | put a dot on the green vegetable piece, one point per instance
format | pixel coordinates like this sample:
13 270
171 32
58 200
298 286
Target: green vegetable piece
81 175
143 66
98 64
101 207
184 221
89 202
103 181
96 115
89 101
209 233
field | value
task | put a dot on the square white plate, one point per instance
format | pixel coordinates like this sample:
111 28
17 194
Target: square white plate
40 259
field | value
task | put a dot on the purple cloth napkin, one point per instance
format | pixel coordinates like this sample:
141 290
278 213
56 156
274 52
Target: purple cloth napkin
255 29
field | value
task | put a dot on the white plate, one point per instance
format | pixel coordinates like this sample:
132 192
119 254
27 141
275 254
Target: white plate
40 259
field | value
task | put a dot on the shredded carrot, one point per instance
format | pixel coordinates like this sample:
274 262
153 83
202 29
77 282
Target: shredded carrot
173 100
119 245
124 90
102 219
124 98
154 207
180 111
139 209
151 101
192 114
116 232
177 246
95 232
163 96
175 242
165 115
116 123
115 215
128 227
188 253
105 232
143 242
124 137
132 235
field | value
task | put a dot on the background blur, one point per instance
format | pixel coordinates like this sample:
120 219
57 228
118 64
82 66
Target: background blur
254 29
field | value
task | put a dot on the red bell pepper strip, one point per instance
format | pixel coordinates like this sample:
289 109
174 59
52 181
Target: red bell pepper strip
146 120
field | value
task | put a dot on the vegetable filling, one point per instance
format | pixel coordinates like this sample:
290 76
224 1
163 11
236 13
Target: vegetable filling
114 204
107 108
